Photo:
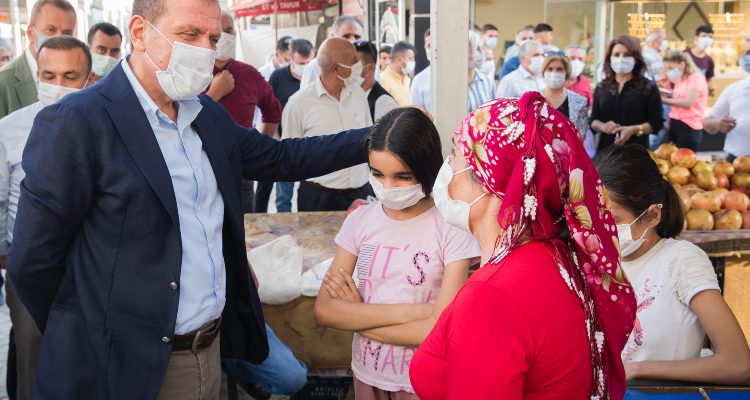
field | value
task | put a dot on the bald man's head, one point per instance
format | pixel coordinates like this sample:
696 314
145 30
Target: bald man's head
336 51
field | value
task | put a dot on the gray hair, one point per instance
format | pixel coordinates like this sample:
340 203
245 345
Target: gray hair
655 34
59 4
528 46
346 20
152 10
5 45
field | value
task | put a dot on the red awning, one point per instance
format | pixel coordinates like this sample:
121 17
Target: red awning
285 7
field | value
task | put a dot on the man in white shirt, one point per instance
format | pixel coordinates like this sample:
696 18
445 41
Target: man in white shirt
345 27
654 44
729 114
528 77
64 66
335 100
280 59
489 43
420 85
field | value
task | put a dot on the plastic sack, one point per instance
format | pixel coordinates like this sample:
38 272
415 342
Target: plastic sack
312 279
278 266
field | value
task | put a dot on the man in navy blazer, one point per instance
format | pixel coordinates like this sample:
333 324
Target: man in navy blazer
129 248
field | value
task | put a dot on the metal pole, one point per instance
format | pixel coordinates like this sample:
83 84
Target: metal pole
449 31
15 20
276 21
341 7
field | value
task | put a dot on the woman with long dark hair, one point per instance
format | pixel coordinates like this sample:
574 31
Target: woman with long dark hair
410 263
679 301
627 106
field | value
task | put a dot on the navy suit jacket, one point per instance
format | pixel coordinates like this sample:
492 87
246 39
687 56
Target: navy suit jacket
97 239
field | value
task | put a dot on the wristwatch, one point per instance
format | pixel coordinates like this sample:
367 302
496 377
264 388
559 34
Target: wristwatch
640 130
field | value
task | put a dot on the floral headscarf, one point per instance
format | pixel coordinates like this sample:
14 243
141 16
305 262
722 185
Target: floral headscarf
527 153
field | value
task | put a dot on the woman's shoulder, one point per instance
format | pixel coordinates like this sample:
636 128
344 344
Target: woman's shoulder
690 269
576 100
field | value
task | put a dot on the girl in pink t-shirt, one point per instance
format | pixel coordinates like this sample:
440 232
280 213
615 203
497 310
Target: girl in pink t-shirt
689 99
409 262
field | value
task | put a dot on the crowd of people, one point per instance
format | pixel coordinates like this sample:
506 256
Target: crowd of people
124 180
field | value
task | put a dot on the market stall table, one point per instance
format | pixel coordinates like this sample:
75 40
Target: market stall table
327 351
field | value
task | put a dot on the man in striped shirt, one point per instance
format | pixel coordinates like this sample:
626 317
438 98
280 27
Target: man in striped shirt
481 87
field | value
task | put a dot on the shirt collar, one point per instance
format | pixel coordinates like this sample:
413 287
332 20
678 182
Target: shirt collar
525 74
31 61
188 109
321 91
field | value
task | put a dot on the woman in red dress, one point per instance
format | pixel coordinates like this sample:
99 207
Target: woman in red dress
549 312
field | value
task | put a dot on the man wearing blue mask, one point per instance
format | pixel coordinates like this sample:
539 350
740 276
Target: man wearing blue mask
18 79
128 249
64 68
489 43
105 41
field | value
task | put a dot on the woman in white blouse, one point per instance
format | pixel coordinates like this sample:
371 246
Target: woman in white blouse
679 301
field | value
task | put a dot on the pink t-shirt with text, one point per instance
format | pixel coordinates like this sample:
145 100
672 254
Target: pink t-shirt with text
398 262
693 116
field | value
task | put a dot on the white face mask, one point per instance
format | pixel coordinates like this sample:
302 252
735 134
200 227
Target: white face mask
226 47
299 69
622 65
491 43
664 45
355 79
625 235
397 198
454 212
49 94
554 80
477 60
103 65
705 42
577 67
535 67
189 71
674 75
409 68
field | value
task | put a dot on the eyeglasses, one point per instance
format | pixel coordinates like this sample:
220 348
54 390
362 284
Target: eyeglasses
555 53
364 45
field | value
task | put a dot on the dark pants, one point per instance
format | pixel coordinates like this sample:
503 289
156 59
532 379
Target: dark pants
27 338
313 197
262 196
684 136
248 193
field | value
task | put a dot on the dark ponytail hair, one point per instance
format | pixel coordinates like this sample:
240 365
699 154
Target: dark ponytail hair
412 137
632 179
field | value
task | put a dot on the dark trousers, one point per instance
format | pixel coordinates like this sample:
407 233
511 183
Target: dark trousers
248 193
262 196
28 340
314 197
683 135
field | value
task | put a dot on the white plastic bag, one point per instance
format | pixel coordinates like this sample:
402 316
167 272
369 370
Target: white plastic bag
278 266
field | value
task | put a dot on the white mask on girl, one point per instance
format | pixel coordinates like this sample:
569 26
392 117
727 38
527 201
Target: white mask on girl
397 198
454 212
625 234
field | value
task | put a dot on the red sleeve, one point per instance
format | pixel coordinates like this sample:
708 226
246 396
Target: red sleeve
489 345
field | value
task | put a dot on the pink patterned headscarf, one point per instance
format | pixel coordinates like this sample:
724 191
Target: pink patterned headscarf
527 153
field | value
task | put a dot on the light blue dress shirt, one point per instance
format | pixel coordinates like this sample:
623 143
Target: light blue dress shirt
200 208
